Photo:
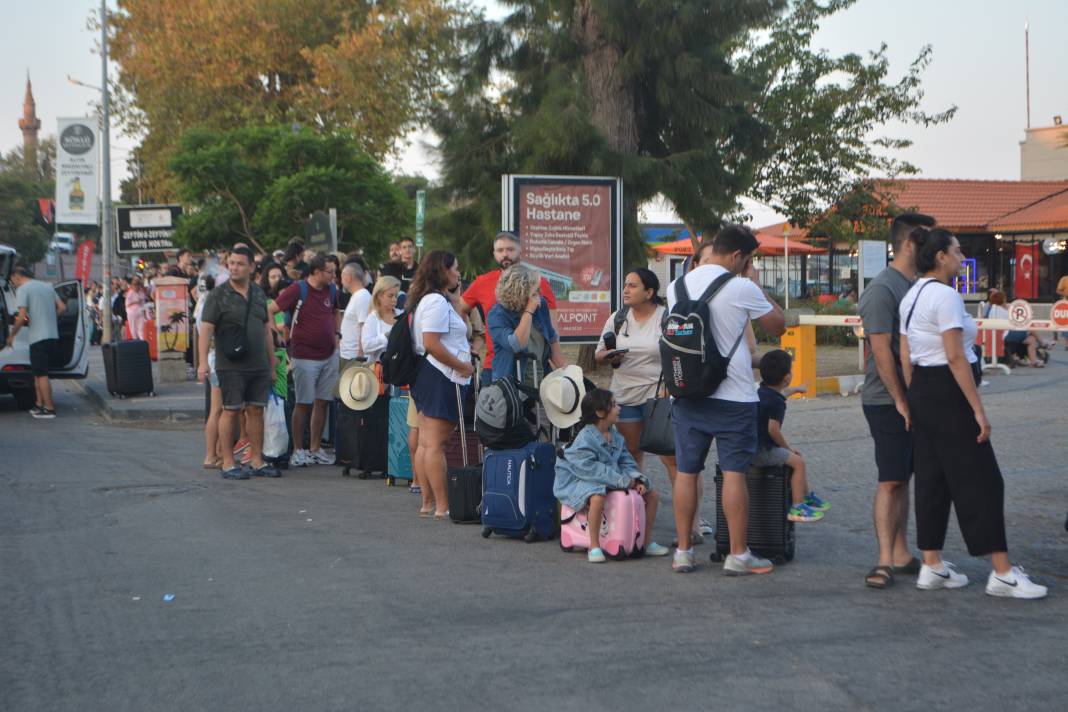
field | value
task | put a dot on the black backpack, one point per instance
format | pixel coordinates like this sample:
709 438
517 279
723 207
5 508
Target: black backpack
693 366
400 362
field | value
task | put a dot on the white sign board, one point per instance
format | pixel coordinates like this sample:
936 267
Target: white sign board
77 165
1020 314
872 261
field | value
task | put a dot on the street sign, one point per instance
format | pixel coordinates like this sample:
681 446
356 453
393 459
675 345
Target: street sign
1020 314
1059 313
420 216
146 228
317 231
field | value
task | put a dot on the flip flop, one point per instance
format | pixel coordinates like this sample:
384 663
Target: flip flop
427 514
880 577
213 465
441 517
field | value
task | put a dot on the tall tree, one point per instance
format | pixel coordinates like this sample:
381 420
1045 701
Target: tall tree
21 225
259 184
703 102
366 66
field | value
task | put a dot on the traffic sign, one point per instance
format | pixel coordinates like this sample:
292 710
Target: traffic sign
420 216
317 231
146 228
1020 313
1059 313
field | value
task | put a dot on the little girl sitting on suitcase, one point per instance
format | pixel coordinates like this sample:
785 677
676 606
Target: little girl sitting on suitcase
596 461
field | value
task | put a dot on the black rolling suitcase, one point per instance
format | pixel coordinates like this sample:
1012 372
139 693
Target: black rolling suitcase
128 368
373 437
347 450
464 478
770 533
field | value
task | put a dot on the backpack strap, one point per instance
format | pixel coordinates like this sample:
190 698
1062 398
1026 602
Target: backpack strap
300 303
717 284
681 295
620 318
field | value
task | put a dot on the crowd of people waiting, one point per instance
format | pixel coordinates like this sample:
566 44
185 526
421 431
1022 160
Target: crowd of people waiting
299 318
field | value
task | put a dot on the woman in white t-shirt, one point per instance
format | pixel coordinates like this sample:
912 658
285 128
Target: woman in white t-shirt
635 373
953 459
445 374
381 319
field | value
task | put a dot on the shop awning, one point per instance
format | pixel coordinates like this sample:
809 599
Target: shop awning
770 245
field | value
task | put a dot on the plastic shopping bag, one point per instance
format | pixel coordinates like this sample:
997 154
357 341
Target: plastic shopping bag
275 434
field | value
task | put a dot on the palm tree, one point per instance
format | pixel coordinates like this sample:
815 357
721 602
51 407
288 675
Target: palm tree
175 320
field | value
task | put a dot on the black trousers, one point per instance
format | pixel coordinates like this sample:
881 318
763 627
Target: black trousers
952 468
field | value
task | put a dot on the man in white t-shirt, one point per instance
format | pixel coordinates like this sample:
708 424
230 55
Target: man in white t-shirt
356 311
729 415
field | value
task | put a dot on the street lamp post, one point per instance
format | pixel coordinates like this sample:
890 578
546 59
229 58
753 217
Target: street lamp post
105 145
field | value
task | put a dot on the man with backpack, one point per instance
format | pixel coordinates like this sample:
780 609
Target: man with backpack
712 381
314 328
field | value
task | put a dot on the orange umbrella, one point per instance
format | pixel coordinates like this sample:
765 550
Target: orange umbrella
769 245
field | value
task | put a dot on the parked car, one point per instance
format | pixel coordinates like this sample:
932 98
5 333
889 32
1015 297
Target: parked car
62 242
72 356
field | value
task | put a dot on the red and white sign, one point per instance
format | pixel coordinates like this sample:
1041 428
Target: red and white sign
1026 286
1020 314
83 266
570 231
1059 313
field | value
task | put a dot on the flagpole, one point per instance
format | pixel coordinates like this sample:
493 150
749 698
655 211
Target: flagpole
105 149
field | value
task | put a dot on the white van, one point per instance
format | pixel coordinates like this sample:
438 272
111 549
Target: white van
63 242
72 356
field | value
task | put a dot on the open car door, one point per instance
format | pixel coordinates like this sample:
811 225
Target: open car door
71 359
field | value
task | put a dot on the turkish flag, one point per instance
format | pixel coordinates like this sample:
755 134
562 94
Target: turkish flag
1027 271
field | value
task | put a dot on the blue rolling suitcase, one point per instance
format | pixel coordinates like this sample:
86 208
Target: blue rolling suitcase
517 492
398 459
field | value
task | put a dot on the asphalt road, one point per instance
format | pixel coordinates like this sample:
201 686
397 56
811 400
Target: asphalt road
314 592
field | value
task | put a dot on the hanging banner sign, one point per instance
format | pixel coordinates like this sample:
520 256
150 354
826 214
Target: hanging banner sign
83 266
146 228
76 172
571 230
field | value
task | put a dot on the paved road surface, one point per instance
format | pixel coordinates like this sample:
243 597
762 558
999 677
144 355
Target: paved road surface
315 592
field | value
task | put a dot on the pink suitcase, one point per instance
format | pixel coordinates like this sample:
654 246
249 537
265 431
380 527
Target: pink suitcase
622 526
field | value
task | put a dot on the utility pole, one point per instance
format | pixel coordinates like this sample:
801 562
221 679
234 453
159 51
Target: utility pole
105 146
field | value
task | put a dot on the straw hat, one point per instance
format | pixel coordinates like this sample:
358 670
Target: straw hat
358 387
561 393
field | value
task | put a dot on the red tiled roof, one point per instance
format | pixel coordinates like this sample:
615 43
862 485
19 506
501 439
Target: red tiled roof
1048 214
972 205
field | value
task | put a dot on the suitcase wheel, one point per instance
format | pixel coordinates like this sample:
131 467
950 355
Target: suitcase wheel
344 471
716 557
530 537
486 531
778 560
568 549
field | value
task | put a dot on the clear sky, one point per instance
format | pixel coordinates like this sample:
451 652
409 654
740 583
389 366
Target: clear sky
978 65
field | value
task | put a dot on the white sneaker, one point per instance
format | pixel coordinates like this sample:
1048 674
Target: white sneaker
705 528
752 564
949 577
299 458
321 457
1016 585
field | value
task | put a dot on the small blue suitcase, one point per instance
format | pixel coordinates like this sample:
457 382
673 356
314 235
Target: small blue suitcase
517 492
398 459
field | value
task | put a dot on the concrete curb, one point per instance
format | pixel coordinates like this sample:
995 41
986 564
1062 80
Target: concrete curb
128 410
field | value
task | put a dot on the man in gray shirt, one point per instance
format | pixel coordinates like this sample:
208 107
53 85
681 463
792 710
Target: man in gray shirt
37 303
885 407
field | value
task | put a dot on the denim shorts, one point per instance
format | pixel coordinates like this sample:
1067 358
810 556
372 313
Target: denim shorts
698 421
434 394
630 414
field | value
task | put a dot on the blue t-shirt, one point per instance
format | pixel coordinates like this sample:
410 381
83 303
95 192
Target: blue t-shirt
772 406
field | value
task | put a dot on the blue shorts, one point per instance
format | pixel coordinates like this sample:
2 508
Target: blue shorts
630 414
434 394
733 425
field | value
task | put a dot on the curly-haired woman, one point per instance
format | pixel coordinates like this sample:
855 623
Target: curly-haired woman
520 326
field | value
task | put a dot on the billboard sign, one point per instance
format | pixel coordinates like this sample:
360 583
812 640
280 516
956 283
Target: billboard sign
76 172
571 230
146 228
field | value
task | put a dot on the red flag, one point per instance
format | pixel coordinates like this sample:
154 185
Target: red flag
1026 283
83 266
46 206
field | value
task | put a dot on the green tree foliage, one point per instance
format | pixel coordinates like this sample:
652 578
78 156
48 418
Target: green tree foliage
14 162
259 184
20 218
367 66
703 102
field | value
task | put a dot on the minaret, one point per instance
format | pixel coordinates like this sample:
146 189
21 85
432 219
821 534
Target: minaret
30 125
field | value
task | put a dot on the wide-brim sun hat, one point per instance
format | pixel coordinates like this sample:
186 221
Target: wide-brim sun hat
561 393
358 387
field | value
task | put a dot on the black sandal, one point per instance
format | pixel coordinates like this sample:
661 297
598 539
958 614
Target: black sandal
880 577
912 568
